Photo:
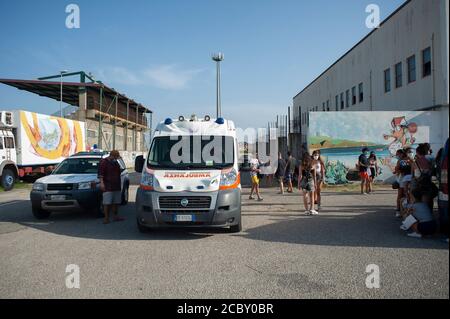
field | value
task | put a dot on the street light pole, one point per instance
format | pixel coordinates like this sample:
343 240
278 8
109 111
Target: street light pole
61 92
218 58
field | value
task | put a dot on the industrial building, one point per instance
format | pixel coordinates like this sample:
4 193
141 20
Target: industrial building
402 65
113 120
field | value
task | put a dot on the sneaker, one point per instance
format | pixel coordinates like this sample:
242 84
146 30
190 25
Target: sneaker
260 199
251 197
314 212
307 213
414 235
403 227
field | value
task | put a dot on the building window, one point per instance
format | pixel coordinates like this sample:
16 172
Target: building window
342 100
1 143
317 108
9 142
354 95
347 98
323 106
328 105
398 75
426 62
91 133
337 102
361 92
411 61
387 80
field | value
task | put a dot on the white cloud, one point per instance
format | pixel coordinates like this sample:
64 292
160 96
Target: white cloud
119 75
168 77
171 78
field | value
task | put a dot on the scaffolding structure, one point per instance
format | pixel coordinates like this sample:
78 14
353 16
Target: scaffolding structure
113 121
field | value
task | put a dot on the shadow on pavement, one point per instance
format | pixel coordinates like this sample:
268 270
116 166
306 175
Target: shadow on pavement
85 225
363 226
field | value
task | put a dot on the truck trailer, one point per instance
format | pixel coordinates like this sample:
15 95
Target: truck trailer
31 144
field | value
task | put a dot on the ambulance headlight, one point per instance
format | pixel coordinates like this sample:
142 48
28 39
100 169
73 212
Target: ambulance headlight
229 178
147 181
38 187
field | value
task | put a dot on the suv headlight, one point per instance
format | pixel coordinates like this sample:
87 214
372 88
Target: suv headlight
229 178
87 185
147 181
38 187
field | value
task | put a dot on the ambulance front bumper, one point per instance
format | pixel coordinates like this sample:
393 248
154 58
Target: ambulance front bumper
210 209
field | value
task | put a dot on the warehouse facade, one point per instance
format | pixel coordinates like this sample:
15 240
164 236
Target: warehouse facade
402 65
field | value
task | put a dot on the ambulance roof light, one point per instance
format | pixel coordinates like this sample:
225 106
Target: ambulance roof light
168 121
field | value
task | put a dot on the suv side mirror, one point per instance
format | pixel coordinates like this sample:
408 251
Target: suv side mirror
139 163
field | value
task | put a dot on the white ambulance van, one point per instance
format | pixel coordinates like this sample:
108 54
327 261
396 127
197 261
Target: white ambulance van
190 177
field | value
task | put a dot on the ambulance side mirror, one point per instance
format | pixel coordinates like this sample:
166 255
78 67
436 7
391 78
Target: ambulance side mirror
139 163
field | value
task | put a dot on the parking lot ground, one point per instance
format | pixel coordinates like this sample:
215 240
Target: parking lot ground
279 254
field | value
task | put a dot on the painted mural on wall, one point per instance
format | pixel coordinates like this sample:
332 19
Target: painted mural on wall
340 136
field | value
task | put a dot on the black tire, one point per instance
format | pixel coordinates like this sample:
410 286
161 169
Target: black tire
236 228
142 229
125 195
8 179
98 211
40 213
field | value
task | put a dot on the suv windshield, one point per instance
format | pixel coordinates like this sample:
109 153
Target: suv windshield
191 152
78 166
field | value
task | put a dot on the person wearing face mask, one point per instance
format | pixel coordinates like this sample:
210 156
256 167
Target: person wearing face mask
319 167
363 165
422 172
110 185
400 156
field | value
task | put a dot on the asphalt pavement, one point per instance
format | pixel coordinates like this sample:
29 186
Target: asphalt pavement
279 254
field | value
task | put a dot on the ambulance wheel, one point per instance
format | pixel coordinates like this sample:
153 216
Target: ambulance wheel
8 179
236 228
141 228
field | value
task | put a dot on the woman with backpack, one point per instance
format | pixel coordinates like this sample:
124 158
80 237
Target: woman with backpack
306 182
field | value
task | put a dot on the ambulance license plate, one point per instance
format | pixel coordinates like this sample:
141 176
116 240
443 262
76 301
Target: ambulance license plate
184 218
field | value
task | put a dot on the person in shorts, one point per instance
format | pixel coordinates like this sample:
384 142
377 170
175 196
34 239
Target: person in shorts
110 184
363 165
255 169
307 183
290 171
280 172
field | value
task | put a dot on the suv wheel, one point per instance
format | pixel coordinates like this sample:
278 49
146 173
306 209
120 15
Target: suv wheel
125 195
40 213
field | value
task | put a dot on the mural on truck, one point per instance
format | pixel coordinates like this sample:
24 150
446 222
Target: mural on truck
49 138
340 136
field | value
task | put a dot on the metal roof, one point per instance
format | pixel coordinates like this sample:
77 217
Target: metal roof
71 90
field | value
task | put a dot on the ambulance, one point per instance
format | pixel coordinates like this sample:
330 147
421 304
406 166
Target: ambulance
190 177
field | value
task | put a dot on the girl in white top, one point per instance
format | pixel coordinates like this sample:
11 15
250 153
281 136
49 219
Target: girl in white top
319 167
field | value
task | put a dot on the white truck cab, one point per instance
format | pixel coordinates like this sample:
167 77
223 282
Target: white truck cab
190 177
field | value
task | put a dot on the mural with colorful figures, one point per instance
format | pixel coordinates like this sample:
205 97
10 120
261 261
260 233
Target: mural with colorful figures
340 137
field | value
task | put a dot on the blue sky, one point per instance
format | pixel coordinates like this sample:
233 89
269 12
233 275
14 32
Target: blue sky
158 52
